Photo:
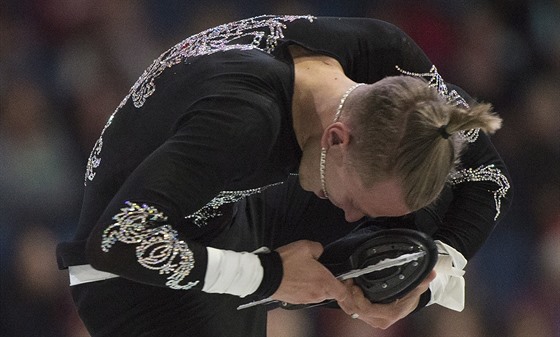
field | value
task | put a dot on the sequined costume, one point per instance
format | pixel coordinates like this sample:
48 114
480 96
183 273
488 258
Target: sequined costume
201 152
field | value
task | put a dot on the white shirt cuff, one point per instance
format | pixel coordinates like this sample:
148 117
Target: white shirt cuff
448 288
229 272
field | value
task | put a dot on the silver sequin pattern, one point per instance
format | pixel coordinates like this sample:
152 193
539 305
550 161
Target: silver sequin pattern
436 81
233 35
211 209
157 244
484 173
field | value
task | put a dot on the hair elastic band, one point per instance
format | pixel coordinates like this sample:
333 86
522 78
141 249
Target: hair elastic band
443 131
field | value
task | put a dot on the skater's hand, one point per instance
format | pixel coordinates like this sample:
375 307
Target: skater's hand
305 279
382 315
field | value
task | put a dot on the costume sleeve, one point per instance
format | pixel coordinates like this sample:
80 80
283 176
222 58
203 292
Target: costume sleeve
476 197
142 235
479 194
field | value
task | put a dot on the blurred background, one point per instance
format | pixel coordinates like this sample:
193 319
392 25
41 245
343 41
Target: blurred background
66 64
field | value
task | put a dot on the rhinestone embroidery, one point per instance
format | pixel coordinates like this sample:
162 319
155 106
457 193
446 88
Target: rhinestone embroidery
436 81
242 35
157 247
484 173
211 209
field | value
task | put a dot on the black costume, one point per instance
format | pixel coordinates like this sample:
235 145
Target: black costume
202 153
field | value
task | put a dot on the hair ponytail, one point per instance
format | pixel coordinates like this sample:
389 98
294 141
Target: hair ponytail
480 116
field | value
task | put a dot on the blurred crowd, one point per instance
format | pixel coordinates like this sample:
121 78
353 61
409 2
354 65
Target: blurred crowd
66 64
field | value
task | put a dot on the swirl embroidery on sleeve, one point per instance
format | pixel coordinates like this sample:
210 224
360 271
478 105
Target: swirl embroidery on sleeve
157 246
452 97
484 173
260 32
